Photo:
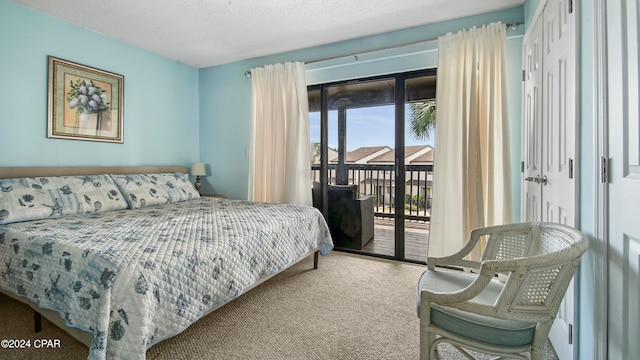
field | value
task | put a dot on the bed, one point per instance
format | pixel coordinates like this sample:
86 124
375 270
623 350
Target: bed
122 258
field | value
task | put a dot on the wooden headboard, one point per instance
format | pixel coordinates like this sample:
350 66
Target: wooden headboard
18 172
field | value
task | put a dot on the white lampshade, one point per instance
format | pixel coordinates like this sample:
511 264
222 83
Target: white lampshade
197 169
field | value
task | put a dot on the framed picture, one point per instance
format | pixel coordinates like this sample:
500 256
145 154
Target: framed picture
85 103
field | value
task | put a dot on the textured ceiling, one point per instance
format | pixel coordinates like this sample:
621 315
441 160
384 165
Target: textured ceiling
204 33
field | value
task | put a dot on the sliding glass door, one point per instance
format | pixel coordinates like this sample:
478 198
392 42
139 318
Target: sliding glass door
371 175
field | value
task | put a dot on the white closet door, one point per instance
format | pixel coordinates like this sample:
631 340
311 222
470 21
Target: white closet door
559 144
624 186
559 107
549 133
532 126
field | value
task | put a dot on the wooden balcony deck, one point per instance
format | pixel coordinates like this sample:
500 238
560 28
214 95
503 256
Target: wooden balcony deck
416 239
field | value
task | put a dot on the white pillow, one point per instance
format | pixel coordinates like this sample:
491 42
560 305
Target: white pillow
23 199
151 189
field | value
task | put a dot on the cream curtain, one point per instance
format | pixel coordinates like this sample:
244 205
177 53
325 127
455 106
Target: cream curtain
279 159
471 176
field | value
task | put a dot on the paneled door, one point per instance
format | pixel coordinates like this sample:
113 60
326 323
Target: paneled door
532 126
549 133
624 178
559 145
559 112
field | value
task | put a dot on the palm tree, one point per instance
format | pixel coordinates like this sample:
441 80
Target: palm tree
316 152
423 118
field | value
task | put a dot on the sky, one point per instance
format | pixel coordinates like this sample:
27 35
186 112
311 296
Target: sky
372 126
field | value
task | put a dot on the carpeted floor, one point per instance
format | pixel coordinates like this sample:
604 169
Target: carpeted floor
352 307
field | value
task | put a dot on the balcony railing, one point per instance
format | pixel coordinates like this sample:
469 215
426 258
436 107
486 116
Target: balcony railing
378 181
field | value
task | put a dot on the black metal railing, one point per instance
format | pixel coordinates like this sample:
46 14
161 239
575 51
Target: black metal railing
378 181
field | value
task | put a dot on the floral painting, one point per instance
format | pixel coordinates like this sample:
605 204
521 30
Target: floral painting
84 103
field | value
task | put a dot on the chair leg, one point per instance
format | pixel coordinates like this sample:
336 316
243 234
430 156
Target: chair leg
539 340
537 352
425 346
426 342
433 348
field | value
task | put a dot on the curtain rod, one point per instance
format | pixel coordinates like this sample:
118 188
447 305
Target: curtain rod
512 26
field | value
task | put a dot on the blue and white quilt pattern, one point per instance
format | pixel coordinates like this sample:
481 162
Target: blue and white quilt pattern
135 277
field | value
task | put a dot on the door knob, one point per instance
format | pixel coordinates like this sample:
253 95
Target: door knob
538 179
541 180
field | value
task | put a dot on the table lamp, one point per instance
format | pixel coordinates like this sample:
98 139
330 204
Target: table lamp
197 170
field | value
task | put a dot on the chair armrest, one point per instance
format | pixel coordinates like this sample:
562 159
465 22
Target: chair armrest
451 261
457 259
367 215
457 297
487 271
548 260
366 203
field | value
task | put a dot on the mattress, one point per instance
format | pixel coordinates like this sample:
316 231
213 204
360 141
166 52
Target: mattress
135 277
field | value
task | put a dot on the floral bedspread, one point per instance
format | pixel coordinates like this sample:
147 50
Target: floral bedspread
135 277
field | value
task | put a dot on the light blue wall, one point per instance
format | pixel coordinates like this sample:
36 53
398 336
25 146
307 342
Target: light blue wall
225 95
530 7
160 97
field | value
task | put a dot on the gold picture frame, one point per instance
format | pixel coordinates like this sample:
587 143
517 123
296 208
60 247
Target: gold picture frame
85 103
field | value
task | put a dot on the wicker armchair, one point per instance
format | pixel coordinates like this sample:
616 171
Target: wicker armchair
506 308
